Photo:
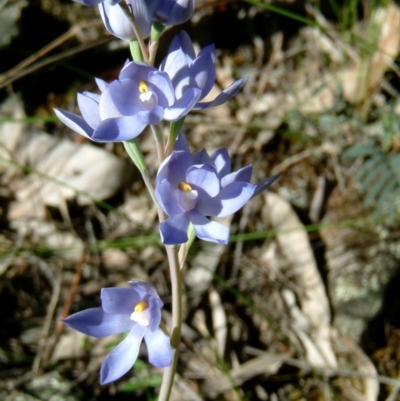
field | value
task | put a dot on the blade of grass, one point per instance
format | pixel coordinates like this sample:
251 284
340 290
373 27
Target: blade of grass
282 11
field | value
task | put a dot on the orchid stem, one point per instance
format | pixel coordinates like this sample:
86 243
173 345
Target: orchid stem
153 51
150 188
138 34
157 30
136 155
156 129
176 325
176 285
140 39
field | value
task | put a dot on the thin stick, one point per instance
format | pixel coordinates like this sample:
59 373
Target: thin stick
10 77
47 323
176 322
136 30
44 50
157 134
176 285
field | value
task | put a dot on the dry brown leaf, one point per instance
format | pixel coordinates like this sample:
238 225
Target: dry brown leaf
266 364
219 322
62 170
309 309
200 274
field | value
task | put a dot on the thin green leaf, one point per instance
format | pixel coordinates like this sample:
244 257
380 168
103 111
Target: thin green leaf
370 164
362 149
373 174
393 206
377 187
282 11
394 162
384 197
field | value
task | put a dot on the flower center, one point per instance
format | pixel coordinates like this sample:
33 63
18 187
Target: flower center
188 196
147 97
143 87
184 186
141 313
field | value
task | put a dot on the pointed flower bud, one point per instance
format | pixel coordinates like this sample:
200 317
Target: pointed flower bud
173 12
137 310
118 23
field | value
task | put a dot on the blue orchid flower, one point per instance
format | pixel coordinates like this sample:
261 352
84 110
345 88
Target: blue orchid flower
190 188
141 96
136 310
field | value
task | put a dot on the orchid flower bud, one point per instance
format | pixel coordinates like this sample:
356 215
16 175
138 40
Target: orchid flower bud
174 12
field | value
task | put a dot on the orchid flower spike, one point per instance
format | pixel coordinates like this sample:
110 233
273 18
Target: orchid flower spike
192 187
188 71
136 309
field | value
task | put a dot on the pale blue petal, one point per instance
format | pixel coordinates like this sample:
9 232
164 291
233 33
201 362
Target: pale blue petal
89 108
181 143
203 177
174 12
143 11
224 96
202 157
115 21
183 105
176 66
94 96
169 198
119 300
161 84
145 289
182 41
75 122
264 185
167 64
203 71
222 162
174 230
159 348
152 116
119 129
208 230
96 323
101 84
228 201
125 96
174 168
155 305
244 174
136 70
107 107
121 359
